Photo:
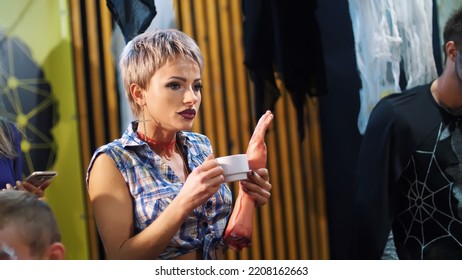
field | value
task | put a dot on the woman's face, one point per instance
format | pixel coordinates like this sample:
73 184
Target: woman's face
174 96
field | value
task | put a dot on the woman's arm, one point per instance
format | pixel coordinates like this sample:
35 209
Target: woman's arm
113 209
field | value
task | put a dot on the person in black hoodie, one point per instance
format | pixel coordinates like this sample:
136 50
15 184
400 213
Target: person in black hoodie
408 201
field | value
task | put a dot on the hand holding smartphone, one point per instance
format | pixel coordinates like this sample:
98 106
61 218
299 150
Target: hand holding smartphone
40 178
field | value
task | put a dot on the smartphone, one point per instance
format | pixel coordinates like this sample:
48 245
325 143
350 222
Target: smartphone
39 178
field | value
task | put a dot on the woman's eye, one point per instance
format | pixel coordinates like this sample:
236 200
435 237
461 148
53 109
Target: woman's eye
197 87
174 86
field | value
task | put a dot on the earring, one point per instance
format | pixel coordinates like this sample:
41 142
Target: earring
143 120
142 115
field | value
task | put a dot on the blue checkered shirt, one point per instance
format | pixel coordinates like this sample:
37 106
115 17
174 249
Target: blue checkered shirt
153 185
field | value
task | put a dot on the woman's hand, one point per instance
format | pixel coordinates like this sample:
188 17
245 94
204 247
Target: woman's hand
28 187
258 186
203 182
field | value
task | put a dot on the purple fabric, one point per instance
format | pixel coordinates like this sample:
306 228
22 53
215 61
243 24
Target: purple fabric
11 169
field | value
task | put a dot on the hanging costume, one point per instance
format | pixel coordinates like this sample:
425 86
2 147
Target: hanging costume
410 179
133 17
273 34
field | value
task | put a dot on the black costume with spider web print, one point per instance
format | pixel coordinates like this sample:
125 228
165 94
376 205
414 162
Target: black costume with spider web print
410 179
428 224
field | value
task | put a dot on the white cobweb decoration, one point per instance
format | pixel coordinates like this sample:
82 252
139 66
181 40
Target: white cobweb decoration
388 35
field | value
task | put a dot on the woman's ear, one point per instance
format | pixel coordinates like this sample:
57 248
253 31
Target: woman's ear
55 251
137 94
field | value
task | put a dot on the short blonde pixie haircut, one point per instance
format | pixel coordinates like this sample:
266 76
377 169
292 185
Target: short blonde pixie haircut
149 51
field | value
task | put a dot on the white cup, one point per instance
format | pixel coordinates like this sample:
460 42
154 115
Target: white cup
235 167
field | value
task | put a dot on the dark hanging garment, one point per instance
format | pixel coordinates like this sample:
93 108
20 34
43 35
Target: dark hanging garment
275 36
132 16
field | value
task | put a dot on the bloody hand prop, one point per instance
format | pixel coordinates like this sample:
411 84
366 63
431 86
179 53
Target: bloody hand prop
238 233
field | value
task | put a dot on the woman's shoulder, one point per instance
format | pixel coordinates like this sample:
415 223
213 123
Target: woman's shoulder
115 150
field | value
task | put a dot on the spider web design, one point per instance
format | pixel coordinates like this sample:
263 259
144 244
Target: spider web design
26 99
431 213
